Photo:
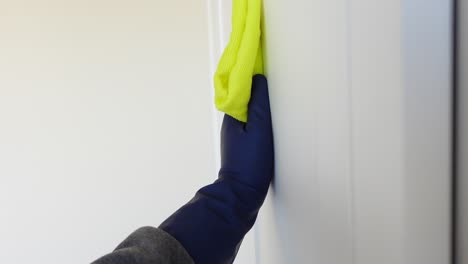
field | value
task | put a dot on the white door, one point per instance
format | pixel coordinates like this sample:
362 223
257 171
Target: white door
360 94
462 140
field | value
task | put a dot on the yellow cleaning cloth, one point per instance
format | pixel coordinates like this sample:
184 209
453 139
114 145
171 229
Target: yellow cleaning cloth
241 60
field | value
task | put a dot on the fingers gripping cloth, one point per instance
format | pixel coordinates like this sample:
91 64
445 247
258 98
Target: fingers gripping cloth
241 60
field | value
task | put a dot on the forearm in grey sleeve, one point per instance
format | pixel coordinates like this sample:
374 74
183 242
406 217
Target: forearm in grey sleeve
148 245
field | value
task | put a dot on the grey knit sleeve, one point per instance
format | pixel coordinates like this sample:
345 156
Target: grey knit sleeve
148 245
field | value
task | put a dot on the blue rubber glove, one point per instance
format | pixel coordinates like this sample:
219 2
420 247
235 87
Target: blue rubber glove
212 225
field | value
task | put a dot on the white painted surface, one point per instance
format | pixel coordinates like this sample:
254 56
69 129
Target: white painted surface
360 95
462 53
105 122
427 84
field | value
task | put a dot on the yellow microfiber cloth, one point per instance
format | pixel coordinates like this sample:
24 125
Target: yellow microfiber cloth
241 60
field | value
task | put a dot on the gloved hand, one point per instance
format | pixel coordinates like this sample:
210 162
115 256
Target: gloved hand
212 225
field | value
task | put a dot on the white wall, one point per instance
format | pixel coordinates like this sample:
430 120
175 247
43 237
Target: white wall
105 122
360 95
